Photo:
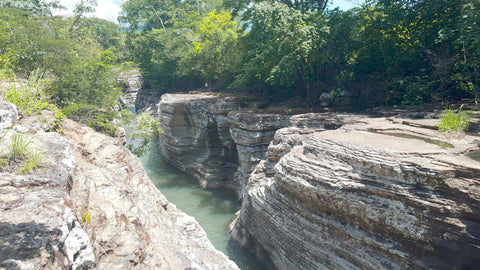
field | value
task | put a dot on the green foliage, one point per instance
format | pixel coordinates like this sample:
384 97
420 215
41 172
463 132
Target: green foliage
101 119
144 129
88 82
161 36
39 7
29 96
34 160
86 218
451 122
19 147
214 53
3 163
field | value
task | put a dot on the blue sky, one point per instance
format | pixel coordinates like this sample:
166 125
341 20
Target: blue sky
109 9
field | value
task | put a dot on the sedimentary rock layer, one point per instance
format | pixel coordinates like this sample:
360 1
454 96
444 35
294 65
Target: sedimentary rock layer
378 194
133 224
131 83
90 205
252 131
196 135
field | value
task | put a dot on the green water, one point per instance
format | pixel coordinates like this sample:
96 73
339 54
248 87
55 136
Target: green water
213 209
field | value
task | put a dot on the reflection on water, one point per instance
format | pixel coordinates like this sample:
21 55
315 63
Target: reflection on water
214 210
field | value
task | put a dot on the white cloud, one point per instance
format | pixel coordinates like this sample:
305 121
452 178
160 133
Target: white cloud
106 9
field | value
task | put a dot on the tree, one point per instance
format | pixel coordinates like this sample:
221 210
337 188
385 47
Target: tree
39 7
278 48
301 5
214 53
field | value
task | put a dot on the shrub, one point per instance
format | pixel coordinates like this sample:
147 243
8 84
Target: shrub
145 128
29 96
451 122
100 119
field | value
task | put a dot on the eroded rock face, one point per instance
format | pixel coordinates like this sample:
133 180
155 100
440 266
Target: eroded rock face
373 194
91 205
196 135
147 101
252 131
131 83
133 224
38 229
9 114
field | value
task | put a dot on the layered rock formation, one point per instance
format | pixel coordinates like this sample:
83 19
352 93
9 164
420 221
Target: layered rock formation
196 134
252 131
131 83
38 228
91 205
147 100
373 194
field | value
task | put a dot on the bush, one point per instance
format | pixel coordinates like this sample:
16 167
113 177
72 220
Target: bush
29 97
145 128
451 122
102 120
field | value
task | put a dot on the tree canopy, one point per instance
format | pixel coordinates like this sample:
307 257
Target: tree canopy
383 52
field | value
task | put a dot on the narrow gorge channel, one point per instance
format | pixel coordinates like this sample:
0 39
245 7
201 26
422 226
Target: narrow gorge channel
213 209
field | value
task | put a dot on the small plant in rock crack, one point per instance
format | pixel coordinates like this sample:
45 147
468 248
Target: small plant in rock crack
86 218
19 147
34 161
20 151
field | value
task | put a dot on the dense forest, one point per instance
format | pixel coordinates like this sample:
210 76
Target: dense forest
383 52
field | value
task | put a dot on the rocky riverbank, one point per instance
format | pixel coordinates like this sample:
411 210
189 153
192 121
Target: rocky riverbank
217 138
90 205
372 194
333 191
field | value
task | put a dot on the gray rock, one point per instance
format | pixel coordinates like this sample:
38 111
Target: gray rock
87 174
35 216
133 224
196 134
78 248
9 114
373 194
147 100
131 83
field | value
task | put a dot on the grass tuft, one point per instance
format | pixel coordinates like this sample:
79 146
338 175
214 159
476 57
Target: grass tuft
454 122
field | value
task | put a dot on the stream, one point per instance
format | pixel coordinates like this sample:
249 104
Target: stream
213 209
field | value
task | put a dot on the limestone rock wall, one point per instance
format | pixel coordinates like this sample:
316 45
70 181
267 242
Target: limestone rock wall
252 131
133 224
131 83
373 194
90 205
196 135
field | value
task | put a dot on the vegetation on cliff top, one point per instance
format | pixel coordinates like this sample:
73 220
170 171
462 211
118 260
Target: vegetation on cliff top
64 62
382 52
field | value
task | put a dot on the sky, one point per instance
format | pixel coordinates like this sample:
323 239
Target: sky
110 9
